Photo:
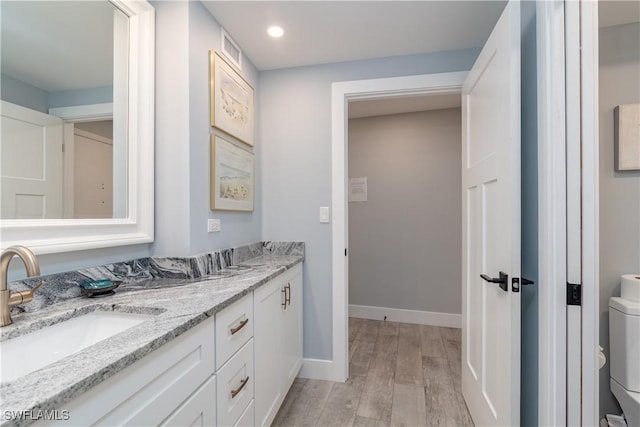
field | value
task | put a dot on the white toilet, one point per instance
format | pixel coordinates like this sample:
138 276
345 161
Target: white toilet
624 340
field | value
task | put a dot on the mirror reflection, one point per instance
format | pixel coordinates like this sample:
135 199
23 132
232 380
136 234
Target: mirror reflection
64 83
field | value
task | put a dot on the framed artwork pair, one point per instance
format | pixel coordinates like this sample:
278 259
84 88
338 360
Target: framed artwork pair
233 113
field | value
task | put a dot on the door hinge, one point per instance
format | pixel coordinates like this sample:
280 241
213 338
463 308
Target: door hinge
574 293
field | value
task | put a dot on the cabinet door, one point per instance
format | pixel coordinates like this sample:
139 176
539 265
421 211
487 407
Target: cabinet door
292 328
268 301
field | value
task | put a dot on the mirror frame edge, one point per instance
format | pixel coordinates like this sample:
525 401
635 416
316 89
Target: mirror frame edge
67 235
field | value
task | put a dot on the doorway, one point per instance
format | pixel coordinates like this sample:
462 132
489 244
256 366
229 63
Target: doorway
343 92
405 242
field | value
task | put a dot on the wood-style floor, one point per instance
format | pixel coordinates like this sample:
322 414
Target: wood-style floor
400 375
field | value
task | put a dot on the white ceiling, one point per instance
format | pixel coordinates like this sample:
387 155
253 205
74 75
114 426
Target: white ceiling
318 32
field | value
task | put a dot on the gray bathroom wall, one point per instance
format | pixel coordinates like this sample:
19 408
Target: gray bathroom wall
295 160
185 32
20 93
68 98
405 241
619 191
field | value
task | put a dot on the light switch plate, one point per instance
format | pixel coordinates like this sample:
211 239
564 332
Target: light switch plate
325 213
213 225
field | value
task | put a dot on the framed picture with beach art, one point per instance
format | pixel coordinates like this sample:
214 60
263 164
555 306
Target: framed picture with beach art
232 176
232 109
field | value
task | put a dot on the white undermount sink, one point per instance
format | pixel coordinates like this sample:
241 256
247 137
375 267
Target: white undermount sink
28 353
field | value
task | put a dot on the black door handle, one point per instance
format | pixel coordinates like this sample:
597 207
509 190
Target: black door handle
502 280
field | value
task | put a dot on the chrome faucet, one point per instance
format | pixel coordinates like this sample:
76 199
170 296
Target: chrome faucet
9 299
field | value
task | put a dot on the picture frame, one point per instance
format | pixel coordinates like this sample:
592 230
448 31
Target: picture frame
232 100
232 176
626 131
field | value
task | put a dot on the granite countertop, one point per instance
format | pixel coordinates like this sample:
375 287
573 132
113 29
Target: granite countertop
177 306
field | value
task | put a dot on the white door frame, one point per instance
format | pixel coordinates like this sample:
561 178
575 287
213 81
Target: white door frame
553 105
590 110
341 94
552 242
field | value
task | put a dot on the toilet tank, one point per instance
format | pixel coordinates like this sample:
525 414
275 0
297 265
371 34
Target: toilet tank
624 340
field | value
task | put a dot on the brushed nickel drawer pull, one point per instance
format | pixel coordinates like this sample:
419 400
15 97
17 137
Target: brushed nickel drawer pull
243 383
284 293
287 295
240 326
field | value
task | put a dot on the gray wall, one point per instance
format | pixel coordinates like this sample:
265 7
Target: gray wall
67 98
405 242
529 218
29 96
100 127
295 138
619 191
20 93
183 136
237 227
185 32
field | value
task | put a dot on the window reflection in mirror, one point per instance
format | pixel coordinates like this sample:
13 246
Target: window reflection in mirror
64 84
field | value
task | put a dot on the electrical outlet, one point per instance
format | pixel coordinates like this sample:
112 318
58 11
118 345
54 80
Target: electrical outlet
213 225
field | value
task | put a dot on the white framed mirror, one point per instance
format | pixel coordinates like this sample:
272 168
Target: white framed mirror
124 125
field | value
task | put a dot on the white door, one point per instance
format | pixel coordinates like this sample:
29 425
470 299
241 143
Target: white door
491 227
31 163
92 175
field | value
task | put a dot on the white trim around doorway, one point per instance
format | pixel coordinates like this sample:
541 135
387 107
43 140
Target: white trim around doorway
552 228
341 94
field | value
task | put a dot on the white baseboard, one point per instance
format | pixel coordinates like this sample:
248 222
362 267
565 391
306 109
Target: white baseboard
417 317
317 369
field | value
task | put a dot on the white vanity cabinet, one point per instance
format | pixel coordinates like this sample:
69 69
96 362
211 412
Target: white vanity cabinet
172 385
231 370
278 341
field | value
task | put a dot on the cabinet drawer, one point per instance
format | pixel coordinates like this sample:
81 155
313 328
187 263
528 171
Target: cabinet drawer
235 386
198 410
246 419
149 390
234 327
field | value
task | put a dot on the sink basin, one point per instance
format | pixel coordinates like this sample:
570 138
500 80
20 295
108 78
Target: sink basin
28 353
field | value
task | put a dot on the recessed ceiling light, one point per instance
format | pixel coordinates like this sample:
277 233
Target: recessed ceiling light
275 31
